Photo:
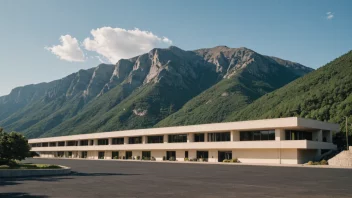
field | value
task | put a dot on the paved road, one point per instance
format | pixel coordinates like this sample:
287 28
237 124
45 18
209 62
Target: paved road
93 178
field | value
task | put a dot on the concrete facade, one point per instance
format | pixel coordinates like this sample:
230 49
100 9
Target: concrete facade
274 141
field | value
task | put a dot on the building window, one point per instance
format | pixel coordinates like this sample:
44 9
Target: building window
72 143
117 140
70 154
84 154
61 143
103 141
155 139
91 142
202 155
60 154
45 144
146 155
101 155
219 137
257 135
115 155
83 143
177 138
298 135
199 137
135 140
186 154
52 144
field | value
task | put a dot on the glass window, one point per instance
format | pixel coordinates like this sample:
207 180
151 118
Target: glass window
135 140
298 135
101 155
186 154
61 144
118 141
115 155
84 154
199 137
202 154
257 135
72 143
219 137
83 143
45 144
177 138
91 142
155 139
103 141
146 155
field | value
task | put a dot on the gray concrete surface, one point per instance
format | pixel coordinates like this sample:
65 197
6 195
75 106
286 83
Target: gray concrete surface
34 172
93 178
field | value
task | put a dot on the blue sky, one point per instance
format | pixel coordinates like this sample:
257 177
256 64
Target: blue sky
299 31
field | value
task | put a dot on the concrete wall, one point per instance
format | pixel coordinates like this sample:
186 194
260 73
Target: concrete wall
266 156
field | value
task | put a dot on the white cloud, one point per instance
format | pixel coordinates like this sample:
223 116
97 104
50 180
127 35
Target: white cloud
117 43
329 15
69 49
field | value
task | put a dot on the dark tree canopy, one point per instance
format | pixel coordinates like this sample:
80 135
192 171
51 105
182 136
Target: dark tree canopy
13 146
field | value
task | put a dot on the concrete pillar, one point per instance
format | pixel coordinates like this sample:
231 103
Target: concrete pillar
125 140
235 136
95 142
166 138
190 137
279 134
330 137
65 143
205 137
318 135
78 142
110 141
144 139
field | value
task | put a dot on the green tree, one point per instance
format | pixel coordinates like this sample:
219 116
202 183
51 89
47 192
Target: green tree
13 146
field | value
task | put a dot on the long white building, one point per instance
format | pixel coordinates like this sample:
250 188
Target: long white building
277 141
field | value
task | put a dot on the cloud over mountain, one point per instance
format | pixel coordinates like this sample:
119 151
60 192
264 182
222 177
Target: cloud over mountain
69 49
117 43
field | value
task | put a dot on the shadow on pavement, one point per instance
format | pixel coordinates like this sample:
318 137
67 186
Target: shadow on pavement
22 195
72 175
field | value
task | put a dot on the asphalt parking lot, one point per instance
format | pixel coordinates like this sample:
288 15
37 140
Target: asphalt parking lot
94 178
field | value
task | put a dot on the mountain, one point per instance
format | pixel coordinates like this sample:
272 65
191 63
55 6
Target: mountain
247 75
324 94
142 91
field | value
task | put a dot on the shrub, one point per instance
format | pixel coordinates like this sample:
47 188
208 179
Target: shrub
145 158
310 163
138 157
153 158
323 162
234 160
4 167
164 158
115 157
13 146
186 159
226 160
193 159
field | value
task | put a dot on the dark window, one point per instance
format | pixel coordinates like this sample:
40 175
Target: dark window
84 154
202 154
186 154
70 154
103 141
61 144
128 154
60 154
115 155
45 144
146 155
199 137
135 140
72 143
33 145
155 139
117 140
219 137
257 135
91 142
298 135
83 143
101 155
177 138
52 144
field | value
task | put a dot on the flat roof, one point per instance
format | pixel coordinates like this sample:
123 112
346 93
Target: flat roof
289 122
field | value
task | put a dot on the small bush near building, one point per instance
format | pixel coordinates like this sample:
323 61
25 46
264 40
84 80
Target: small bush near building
116 157
164 158
322 162
138 157
186 159
153 158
